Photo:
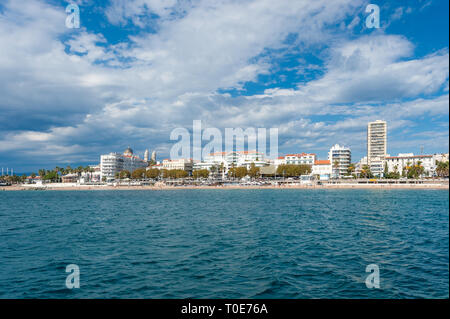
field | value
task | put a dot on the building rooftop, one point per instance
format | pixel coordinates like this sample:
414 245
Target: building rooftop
301 154
322 162
409 156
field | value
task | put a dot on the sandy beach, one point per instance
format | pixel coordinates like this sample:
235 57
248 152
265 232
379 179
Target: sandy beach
443 186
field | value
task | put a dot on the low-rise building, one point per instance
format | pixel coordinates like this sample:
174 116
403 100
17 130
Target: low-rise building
183 164
227 160
322 169
70 178
279 161
302 158
359 165
440 157
402 161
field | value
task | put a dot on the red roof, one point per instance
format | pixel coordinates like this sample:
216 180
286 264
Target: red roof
414 156
300 155
217 153
322 162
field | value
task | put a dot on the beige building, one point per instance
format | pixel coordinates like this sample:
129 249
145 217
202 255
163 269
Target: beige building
184 164
402 161
376 146
322 169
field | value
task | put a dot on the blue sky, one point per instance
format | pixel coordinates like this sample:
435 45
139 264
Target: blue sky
137 69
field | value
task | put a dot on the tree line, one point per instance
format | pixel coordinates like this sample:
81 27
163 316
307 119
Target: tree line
53 175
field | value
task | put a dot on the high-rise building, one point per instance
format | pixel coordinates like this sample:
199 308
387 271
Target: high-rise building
340 158
112 163
376 146
146 155
154 156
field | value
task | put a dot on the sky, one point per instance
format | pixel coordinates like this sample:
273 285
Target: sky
137 69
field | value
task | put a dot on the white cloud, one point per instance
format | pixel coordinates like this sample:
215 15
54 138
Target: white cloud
70 94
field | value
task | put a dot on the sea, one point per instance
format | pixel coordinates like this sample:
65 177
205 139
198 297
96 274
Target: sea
225 243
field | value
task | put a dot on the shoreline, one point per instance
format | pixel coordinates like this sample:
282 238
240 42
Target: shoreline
191 187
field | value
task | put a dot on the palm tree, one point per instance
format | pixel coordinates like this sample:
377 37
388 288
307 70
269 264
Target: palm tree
442 168
222 169
336 166
350 169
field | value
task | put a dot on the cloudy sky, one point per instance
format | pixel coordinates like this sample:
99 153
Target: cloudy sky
137 69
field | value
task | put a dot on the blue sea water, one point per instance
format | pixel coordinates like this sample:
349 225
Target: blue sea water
225 243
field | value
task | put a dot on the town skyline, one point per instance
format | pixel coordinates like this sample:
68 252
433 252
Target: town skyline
132 73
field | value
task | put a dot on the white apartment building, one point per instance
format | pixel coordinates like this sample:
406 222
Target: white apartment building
376 146
323 169
279 161
232 159
400 162
303 158
340 158
184 164
360 164
94 176
112 163
440 157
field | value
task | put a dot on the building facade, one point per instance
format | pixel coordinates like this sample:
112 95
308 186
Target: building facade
402 161
228 160
340 158
322 169
376 146
298 159
113 163
183 164
359 165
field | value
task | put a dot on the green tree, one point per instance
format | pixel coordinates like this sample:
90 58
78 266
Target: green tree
51 176
253 171
366 172
442 168
124 174
165 173
336 168
386 169
152 173
415 171
200 173
238 172
178 173
292 170
138 173
351 169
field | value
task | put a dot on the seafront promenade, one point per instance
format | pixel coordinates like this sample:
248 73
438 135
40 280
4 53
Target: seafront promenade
422 184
